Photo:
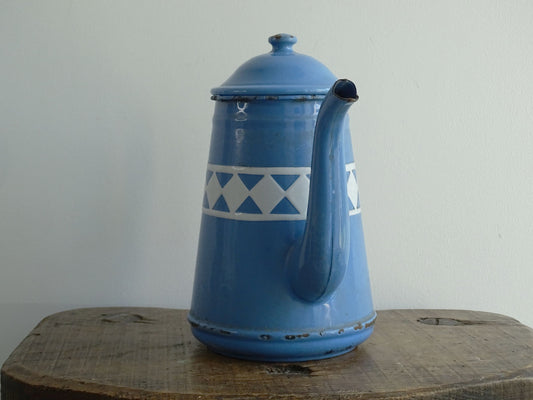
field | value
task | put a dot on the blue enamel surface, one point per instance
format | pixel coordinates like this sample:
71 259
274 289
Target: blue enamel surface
241 281
322 257
280 72
245 302
293 346
266 133
242 294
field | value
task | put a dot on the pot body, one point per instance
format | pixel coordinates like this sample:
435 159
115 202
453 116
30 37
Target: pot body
254 211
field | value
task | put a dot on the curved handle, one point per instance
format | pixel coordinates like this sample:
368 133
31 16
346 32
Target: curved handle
319 261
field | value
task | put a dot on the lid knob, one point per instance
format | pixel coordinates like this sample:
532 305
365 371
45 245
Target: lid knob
282 43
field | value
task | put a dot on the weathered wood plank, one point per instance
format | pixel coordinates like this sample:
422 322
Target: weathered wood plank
149 353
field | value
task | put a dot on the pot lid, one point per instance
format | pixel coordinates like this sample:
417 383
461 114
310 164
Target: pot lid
280 72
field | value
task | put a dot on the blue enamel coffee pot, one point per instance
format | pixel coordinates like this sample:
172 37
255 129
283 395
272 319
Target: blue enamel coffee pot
281 271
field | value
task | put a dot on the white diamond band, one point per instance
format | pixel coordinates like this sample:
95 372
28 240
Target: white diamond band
265 194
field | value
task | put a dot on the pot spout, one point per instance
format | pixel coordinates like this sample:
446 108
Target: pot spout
319 260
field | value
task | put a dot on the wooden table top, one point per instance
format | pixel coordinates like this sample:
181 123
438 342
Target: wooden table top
149 353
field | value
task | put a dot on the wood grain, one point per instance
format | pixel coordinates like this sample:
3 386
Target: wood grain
149 353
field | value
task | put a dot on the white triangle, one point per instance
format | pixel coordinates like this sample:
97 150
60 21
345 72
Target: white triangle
353 190
298 194
213 190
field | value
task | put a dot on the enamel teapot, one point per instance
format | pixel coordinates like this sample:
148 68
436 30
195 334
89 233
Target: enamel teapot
281 271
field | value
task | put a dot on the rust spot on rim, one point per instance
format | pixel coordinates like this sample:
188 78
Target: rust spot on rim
370 323
300 336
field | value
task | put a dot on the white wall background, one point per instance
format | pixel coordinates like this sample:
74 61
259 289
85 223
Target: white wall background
105 120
